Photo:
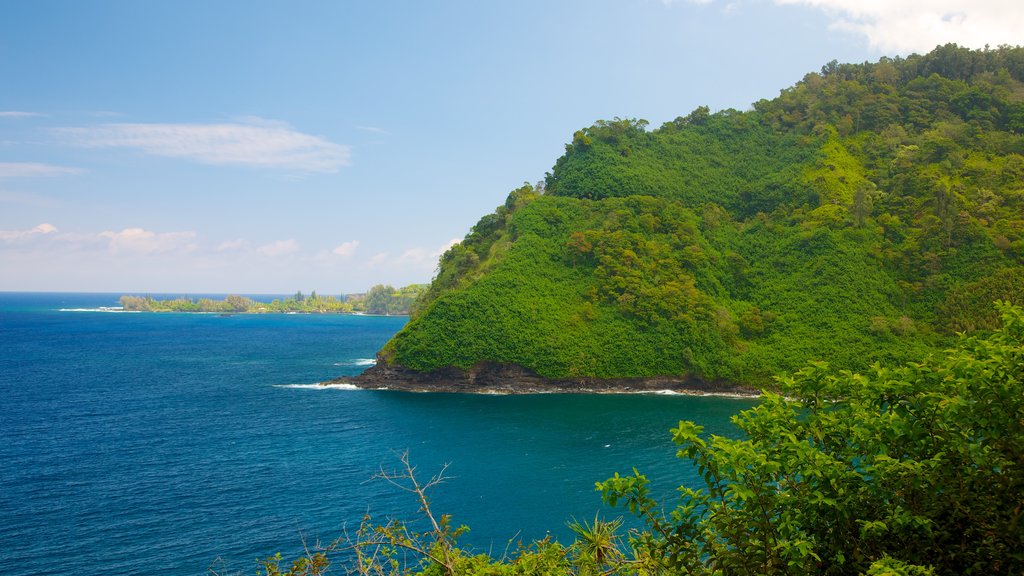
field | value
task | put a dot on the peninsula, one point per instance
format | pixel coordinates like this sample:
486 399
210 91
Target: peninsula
865 215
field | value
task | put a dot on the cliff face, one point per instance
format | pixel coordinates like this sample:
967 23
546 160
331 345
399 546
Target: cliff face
862 216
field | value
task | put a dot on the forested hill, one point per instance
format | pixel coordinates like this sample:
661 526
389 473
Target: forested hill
866 214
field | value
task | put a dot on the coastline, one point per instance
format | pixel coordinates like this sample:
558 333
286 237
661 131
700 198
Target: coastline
120 309
507 379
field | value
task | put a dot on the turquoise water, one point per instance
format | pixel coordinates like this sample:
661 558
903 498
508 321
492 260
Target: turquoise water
158 443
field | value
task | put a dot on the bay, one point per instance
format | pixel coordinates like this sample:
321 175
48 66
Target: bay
141 443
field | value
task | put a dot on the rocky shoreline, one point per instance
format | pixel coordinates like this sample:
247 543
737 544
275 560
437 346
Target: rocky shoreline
494 378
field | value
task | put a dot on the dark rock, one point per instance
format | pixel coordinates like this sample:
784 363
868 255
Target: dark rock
497 378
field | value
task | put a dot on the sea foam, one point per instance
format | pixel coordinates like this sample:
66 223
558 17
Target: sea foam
100 309
319 386
357 362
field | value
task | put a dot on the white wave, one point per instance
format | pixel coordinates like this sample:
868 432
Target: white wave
117 309
357 362
320 386
736 395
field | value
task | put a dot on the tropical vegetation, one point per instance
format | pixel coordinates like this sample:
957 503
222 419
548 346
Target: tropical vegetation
866 214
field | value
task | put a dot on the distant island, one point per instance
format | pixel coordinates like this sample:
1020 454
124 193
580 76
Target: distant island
381 299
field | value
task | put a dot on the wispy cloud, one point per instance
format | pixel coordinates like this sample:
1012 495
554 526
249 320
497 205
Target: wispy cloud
236 245
19 114
346 249
254 142
373 129
22 235
129 241
279 248
920 25
134 258
141 241
32 169
416 258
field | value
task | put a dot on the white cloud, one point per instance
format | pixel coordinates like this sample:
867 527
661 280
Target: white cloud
440 251
906 26
373 129
140 241
233 245
18 114
413 257
416 258
346 249
279 248
30 169
252 142
137 259
20 235
126 242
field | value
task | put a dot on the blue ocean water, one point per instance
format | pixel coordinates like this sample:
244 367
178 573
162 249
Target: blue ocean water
140 443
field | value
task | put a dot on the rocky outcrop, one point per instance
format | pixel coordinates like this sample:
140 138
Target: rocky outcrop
496 378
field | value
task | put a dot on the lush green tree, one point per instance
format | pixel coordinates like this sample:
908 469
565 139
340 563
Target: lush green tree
382 300
840 473
236 303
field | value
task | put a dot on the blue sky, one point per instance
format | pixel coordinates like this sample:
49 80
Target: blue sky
267 147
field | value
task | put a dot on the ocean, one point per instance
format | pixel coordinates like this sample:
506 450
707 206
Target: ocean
163 443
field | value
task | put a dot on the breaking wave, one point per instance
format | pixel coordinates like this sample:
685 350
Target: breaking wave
357 362
320 386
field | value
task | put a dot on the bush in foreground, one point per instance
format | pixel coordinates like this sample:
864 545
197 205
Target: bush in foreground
847 473
910 471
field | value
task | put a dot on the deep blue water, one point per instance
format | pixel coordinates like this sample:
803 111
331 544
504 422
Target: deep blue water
158 443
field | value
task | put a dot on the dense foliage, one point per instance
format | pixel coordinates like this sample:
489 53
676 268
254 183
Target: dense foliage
385 299
922 464
906 471
380 299
866 214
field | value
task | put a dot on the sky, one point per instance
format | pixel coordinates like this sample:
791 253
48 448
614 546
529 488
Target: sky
267 147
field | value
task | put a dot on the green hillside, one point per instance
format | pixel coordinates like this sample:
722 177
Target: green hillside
865 215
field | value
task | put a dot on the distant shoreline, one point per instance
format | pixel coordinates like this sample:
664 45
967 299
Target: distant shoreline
119 309
379 300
